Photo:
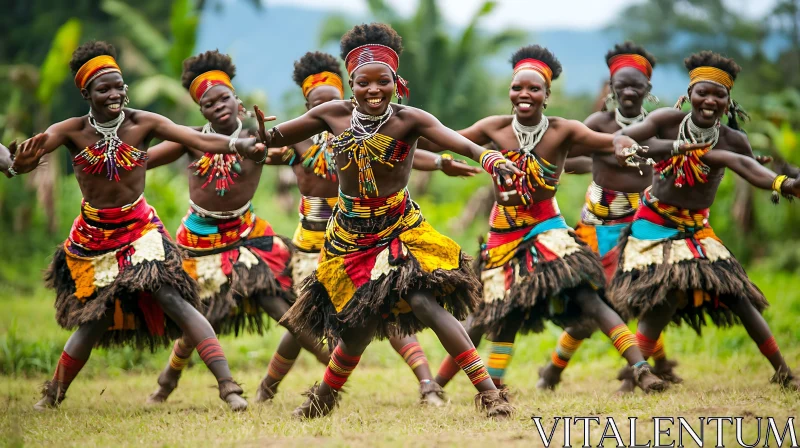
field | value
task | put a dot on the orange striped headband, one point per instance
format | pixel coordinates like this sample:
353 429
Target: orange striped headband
535 65
711 74
636 61
94 68
322 79
207 80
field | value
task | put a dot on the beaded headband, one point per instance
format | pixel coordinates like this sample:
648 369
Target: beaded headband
636 61
376 54
536 65
205 81
94 68
712 75
322 79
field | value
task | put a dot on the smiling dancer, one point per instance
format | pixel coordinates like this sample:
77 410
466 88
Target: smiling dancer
384 270
672 265
118 277
241 266
319 77
612 199
533 266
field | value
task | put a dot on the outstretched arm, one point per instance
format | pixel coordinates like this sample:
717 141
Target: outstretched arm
428 161
165 129
578 165
750 170
474 133
30 152
164 153
492 161
295 131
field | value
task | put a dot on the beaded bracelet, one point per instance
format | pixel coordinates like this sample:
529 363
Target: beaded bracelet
490 160
776 188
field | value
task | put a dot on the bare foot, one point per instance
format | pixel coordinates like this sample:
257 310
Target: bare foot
665 369
549 377
647 380
316 405
52 396
431 394
495 403
231 393
264 392
785 379
628 384
167 382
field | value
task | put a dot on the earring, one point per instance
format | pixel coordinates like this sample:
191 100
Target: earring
127 98
652 98
610 101
544 105
353 101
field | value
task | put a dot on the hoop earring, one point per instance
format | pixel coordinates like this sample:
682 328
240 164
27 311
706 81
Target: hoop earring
127 98
544 105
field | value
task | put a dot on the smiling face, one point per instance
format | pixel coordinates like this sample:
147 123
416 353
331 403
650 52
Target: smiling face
106 95
630 87
322 94
709 103
528 93
373 87
219 106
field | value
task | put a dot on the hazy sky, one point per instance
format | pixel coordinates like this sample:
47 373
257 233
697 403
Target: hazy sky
530 14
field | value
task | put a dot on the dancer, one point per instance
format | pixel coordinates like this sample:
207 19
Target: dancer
384 270
612 199
241 266
319 76
533 266
672 265
118 277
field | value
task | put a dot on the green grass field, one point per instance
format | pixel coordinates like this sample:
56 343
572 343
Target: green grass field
725 376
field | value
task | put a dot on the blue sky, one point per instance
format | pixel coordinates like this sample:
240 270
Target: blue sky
530 14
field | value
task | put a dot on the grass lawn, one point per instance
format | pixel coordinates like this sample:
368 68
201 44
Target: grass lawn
725 376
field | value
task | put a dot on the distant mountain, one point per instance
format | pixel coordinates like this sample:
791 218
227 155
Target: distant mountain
265 43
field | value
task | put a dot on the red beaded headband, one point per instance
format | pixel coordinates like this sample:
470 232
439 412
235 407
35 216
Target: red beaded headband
376 54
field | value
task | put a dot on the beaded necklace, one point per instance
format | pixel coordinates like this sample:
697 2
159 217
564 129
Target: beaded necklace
624 121
221 168
110 151
539 173
688 168
319 158
362 143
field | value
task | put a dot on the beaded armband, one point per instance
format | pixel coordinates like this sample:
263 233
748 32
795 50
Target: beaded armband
776 189
490 160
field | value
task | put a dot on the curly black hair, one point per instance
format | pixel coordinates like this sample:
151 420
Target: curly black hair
710 59
629 47
90 50
373 33
204 62
312 63
540 53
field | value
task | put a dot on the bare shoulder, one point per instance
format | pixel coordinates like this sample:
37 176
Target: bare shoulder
666 115
72 124
736 141
494 123
563 123
334 108
598 119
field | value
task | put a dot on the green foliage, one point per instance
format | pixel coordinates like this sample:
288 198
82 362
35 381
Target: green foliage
56 64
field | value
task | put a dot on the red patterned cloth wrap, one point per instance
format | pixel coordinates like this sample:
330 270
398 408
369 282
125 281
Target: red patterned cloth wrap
673 252
113 262
309 238
377 252
606 214
237 262
531 264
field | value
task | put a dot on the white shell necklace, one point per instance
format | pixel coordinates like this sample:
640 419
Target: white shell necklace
529 136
